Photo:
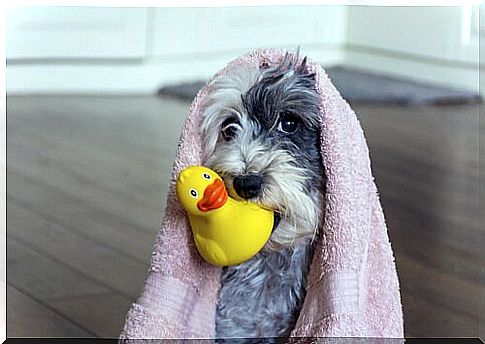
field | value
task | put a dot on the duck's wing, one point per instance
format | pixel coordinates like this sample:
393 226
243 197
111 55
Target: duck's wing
211 251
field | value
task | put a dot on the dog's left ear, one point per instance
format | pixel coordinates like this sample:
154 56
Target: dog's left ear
302 69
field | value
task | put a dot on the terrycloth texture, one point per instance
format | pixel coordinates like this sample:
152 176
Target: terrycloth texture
353 289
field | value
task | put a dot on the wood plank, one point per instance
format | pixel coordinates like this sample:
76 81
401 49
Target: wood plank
82 218
458 231
118 181
126 156
43 277
78 184
91 259
388 161
457 209
28 318
422 122
445 290
425 161
102 314
425 135
138 127
424 318
436 254
406 218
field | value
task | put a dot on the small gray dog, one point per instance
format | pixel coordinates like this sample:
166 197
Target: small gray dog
261 133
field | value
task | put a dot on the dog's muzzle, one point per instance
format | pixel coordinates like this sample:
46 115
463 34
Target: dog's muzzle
248 186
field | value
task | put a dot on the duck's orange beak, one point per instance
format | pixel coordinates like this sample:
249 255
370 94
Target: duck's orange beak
215 196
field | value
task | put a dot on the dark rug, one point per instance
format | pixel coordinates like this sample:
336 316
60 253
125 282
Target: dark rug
358 86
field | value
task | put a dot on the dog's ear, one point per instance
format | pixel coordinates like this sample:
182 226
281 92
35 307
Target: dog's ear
302 68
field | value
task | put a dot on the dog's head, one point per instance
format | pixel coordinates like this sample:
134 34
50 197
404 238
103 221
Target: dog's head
260 132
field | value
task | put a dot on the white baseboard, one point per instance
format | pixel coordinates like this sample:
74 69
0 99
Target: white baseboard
147 76
428 70
130 76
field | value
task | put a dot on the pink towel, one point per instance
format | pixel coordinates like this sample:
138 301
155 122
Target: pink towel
353 289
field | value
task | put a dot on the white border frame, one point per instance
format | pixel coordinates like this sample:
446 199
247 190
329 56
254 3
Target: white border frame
6 5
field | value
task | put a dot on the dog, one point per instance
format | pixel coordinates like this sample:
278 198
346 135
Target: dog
261 133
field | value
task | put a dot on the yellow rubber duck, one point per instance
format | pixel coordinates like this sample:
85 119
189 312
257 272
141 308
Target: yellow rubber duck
226 231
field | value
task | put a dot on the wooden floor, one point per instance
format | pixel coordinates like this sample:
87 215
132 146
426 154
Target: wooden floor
87 177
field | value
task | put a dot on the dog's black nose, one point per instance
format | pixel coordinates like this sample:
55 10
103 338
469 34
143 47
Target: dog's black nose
248 186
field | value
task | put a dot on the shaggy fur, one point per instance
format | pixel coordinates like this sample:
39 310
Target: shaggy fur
260 133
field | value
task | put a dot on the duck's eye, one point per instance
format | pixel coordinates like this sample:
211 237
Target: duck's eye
206 176
289 123
193 193
229 129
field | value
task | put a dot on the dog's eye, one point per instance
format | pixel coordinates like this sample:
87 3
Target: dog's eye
288 123
229 129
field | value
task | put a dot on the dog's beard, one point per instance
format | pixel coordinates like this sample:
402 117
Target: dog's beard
292 183
285 188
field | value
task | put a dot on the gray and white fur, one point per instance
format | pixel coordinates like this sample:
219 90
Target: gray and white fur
261 134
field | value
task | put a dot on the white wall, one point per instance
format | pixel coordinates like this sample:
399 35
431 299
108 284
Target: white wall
38 33
139 49
432 44
136 50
